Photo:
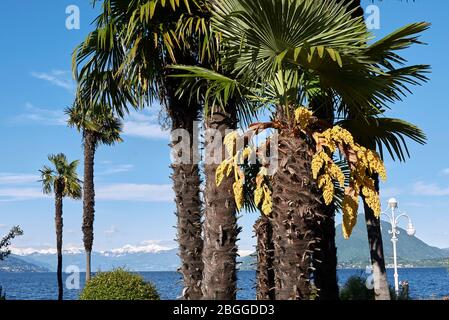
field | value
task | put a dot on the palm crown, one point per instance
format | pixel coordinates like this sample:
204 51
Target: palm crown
278 59
99 121
62 177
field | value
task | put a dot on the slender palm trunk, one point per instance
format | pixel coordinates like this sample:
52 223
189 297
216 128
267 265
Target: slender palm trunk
381 288
325 253
220 224
183 112
265 248
186 181
88 198
59 226
325 256
296 203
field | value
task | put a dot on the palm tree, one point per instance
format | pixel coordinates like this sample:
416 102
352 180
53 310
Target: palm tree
98 126
265 272
387 133
61 180
156 35
382 133
331 52
325 257
391 132
124 61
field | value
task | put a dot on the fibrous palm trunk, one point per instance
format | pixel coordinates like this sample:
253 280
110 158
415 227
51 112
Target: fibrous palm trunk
296 203
325 255
220 223
265 282
59 226
186 181
88 198
381 288
183 113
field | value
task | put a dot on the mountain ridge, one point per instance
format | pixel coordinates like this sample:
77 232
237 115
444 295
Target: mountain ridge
351 253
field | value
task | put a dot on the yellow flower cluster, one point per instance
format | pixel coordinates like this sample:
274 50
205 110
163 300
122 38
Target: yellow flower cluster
326 184
338 136
232 163
370 160
322 161
362 163
350 206
238 193
262 193
319 160
303 116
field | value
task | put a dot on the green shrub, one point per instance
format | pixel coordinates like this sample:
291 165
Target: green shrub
355 289
2 296
118 285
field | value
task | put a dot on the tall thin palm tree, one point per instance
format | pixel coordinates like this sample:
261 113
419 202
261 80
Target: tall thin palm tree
98 126
325 256
381 133
61 180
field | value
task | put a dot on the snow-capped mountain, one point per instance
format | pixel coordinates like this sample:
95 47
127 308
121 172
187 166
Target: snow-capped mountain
44 251
147 256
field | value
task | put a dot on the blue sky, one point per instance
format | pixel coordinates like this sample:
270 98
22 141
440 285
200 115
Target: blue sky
134 205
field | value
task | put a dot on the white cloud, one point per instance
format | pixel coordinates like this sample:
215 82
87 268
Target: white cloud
114 169
42 116
429 189
112 192
2 226
144 130
10 178
19 187
390 192
144 125
446 171
59 78
21 194
111 231
136 192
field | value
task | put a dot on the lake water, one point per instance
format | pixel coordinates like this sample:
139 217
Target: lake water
425 283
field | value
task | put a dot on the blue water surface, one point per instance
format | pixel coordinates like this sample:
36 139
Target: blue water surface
425 283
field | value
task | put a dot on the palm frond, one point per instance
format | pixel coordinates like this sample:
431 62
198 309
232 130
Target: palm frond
385 133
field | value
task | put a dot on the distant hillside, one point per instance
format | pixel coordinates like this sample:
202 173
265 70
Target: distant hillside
15 264
354 252
351 253
409 249
166 260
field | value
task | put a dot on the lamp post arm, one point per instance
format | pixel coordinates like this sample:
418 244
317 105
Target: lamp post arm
403 215
388 216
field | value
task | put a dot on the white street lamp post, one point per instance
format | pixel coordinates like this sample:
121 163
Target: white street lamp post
394 219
